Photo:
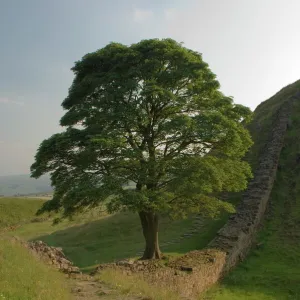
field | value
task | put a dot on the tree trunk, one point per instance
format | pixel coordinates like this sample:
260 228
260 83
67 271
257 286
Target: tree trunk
149 223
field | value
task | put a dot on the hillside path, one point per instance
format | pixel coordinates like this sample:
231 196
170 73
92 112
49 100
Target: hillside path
85 287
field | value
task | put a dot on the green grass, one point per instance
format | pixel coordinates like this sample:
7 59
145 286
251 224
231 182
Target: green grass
24 277
94 237
17 210
114 237
264 115
272 271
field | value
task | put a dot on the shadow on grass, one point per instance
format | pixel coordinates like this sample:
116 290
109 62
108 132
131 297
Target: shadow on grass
119 236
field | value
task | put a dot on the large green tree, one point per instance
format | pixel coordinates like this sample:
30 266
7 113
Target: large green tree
150 114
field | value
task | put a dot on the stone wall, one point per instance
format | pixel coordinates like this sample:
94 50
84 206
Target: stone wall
50 255
236 237
194 272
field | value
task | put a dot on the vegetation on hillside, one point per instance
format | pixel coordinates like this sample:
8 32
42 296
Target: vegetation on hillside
16 211
93 237
263 119
271 271
151 113
23 276
88 241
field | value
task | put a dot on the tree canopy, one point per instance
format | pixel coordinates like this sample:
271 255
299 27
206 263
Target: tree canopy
150 114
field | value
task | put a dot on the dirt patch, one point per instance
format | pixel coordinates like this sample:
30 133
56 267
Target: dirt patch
86 287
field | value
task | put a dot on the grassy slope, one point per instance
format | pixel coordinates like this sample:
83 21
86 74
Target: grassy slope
22 276
90 239
263 117
16 210
272 271
114 237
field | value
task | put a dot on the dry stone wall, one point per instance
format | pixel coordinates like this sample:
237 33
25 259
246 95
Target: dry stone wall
50 255
194 272
236 237
53 256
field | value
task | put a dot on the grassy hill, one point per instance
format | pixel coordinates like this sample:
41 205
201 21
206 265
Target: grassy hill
95 237
272 270
15 211
23 276
24 185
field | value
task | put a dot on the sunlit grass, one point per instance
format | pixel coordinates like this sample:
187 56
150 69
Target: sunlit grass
17 210
24 277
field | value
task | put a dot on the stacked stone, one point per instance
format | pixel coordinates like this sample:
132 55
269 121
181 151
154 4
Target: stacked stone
236 237
53 256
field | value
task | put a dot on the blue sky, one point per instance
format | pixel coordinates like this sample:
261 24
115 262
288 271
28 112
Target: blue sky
252 46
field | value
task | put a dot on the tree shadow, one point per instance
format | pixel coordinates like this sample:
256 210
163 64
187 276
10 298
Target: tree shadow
119 236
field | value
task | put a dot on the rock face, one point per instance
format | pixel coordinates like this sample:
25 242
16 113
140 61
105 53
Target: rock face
53 256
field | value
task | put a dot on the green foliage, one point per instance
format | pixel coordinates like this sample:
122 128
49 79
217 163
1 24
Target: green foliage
151 114
23 277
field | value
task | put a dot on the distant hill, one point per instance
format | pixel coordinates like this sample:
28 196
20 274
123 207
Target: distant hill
24 185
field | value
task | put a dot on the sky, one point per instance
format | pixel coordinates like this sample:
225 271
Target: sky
252 46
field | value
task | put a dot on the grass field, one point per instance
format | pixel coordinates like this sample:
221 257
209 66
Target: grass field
94 238
17 211
109 238
272 271
23 277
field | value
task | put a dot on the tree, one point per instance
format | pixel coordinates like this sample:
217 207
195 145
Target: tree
149 114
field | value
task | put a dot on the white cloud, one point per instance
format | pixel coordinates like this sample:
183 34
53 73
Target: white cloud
142 15
9 101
